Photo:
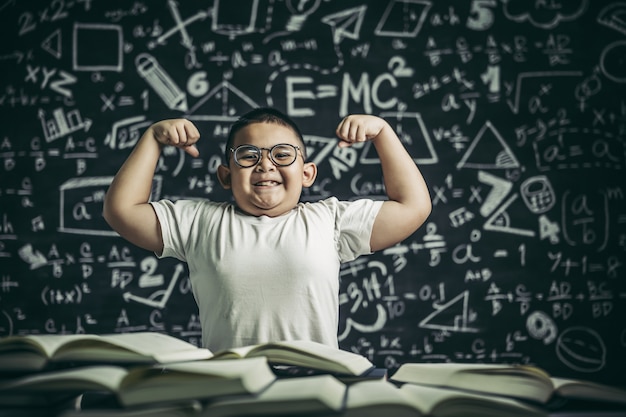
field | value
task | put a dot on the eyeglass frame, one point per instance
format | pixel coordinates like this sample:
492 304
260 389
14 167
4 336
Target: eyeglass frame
269 154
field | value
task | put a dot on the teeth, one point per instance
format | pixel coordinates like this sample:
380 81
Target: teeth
266 183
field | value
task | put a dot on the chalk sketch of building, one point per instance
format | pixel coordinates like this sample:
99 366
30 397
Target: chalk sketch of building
61 123
230 101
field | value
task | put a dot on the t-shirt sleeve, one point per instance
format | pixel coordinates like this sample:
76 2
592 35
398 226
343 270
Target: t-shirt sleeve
176 219
354 222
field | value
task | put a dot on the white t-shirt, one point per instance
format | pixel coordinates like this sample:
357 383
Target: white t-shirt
262 279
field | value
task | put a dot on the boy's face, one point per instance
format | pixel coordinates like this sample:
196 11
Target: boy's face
265 188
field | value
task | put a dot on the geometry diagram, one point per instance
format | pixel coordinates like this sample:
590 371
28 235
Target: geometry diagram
453 315
413 133
106 57
612 61
614 16
411 14
488 151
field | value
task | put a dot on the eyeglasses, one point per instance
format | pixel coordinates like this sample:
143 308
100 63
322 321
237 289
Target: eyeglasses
282 154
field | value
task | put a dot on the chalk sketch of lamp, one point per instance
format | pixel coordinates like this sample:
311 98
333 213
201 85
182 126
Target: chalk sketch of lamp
300 10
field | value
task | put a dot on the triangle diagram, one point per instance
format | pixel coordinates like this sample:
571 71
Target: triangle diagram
488 151
318 148
500 221
452 315
225 99
614 17
52 44
500 188
412 132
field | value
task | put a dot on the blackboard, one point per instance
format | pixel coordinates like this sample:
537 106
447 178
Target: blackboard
515 111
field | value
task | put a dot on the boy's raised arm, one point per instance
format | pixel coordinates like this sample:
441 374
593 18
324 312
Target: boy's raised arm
409 201
126 204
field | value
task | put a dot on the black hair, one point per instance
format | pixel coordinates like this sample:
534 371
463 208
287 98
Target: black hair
262 115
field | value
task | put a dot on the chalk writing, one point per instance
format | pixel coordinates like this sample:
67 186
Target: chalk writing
514 113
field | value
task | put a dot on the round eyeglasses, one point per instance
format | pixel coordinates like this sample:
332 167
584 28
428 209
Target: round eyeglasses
282 154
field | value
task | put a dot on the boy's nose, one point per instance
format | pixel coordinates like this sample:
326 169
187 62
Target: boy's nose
265 163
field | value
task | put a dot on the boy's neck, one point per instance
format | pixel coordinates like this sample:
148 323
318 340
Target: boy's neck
245 213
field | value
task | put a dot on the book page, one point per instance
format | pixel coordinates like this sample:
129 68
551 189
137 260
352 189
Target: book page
322 393
74 379
317 355
45 343
156 346
587 390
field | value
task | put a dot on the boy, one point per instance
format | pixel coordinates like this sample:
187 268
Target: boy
267 267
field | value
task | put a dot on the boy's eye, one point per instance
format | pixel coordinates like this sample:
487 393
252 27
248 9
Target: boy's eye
283 152
282 155
248 156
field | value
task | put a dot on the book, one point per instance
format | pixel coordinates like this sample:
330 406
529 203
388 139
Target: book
319 394
303 353
184 409
378 398
31 353
291 371
140 385
382 398
444 402
568 388
524 382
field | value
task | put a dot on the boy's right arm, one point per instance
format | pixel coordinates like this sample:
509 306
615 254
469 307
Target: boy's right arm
126 204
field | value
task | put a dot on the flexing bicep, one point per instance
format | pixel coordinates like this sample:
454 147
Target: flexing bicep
139 225
394 223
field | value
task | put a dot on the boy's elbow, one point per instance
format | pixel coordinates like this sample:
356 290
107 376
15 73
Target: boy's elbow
108 213
422 213
112 213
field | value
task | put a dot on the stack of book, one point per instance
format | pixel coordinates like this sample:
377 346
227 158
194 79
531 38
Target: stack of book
147 372
449 385
152 374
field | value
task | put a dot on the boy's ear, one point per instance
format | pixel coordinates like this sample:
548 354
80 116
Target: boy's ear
223 175
309 174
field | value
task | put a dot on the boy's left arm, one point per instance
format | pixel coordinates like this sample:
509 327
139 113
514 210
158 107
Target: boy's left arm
409 201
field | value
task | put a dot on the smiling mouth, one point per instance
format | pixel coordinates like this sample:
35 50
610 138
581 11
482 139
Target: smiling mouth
266 183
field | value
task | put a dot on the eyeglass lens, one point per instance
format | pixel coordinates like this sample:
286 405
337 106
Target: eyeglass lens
281 155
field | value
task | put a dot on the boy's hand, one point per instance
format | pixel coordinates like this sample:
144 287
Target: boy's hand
359 128
177 132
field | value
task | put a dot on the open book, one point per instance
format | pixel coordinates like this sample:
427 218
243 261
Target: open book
37 352
381 398
141 385
305 354
184 409
320 394
525 382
